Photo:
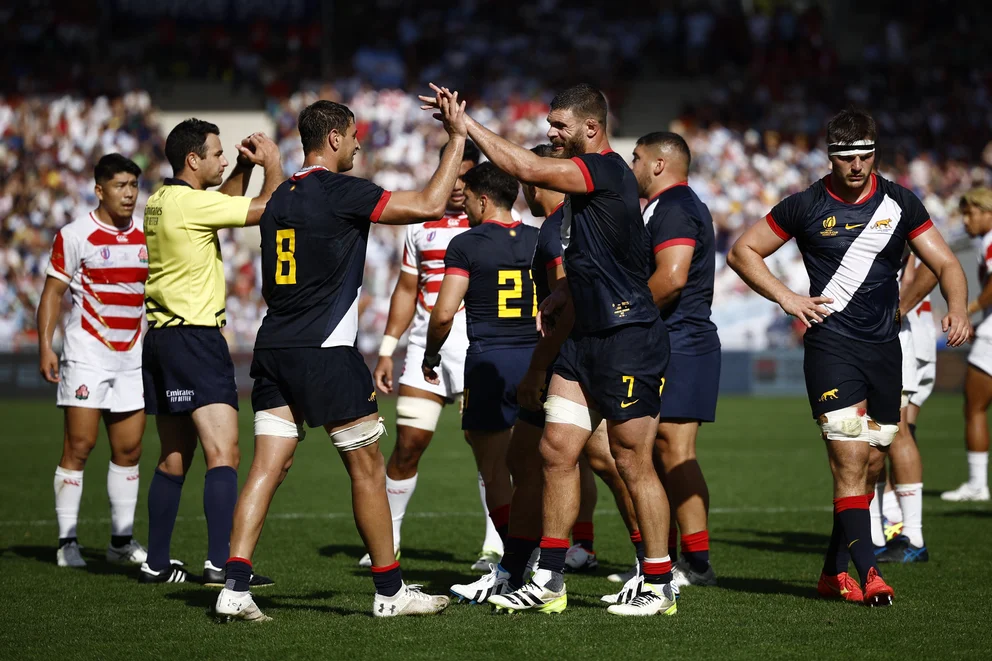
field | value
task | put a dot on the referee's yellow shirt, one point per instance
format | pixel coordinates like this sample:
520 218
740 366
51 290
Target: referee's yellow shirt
186 284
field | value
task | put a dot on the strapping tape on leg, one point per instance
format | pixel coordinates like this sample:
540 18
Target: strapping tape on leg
358 436
268 424
565 411
879 435
847 424
417 412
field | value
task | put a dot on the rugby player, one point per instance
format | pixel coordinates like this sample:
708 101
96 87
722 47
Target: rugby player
612 363
976 207
682 238
419 404
306 367
102 259
186 365
852 227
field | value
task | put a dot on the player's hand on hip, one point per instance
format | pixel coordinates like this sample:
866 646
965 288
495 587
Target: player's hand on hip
807 309
530 390
49 366
383 374
958 328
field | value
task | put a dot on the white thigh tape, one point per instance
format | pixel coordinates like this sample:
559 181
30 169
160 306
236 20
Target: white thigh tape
267 424
565 411
417 412
883 436
358 436
847 424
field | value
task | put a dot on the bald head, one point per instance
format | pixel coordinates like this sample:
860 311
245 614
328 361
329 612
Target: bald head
661 159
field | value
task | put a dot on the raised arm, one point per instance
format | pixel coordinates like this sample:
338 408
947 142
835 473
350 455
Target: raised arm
49 309
237 181
402 307
265 153
449 298
933 251
747 258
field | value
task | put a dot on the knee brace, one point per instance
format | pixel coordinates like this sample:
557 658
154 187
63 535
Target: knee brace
267 424
358 436
847 424
565 411
417 412
879 435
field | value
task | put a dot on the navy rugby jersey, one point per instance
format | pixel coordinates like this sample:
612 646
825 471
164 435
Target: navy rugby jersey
606 254
501 303
547 254
677 217
853 252
315 231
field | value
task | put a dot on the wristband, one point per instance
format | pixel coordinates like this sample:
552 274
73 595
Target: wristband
432 361
388 345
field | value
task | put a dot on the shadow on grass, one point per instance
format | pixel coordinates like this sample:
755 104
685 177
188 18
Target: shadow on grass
356 552
956 514
205 599
96 562
780 541
766 586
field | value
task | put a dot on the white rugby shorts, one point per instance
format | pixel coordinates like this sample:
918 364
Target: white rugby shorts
451 370
91 387
981 347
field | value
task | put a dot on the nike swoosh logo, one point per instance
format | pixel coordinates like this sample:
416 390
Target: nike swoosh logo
851 227
624 405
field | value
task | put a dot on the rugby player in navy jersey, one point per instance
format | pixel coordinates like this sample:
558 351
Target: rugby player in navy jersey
306 368
488 267
681 231
612 363
852 227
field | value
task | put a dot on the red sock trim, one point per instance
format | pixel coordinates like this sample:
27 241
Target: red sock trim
554 543
500 516
523 538
636 537
235 558
656 568
383 570
582 530
850 503
697 541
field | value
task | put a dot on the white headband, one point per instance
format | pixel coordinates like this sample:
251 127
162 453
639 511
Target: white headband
851 148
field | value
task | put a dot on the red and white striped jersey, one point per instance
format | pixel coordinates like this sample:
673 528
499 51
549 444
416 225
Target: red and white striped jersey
423 256
105 269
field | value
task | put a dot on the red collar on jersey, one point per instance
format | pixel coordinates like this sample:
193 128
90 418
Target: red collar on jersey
871 190
667 188
496 222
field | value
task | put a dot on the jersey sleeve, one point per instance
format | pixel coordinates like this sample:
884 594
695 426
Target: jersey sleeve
599 171
65 257
671 226
548 249
456 260
410 257
212 210
362 200
786 217
916 217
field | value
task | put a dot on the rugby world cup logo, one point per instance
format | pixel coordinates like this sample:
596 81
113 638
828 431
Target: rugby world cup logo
105 253
431 235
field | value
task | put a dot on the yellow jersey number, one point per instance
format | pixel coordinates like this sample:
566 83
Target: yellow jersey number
285 257
515 278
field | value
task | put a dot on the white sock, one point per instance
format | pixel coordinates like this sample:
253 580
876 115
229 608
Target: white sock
911 501
492 542
399 493
875 512
122 488
68 493
978 469
890 507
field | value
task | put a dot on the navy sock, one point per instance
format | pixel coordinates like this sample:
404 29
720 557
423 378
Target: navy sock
119 540
516 554
237 574
66 540
388 580
635 537
553 554
696 550
220 495
837 559
163 506
673 540
852 513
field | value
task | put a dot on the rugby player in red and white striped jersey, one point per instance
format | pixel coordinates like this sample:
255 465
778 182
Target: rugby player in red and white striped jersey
102 259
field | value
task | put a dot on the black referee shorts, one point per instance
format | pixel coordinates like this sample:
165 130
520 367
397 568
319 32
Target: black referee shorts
185 368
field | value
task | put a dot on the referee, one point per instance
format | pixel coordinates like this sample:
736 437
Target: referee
186 366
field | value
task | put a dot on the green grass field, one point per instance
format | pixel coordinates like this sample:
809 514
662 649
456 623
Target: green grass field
770 489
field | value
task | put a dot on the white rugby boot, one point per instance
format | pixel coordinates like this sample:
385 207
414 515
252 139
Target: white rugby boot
410 600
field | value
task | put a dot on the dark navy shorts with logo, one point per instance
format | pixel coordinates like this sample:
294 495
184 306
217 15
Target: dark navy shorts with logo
690 387
841 372
491 379
620 370
186 367
326 385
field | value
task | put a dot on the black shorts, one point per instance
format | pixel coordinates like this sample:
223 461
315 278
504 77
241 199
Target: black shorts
491 379
536 418
186 367
690 387
620 370
841 372
330 384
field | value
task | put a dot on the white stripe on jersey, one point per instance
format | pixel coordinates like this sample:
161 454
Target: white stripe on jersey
648 212
861 255
346 332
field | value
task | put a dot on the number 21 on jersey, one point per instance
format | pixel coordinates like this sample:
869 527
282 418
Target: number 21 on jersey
285 257
514 278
